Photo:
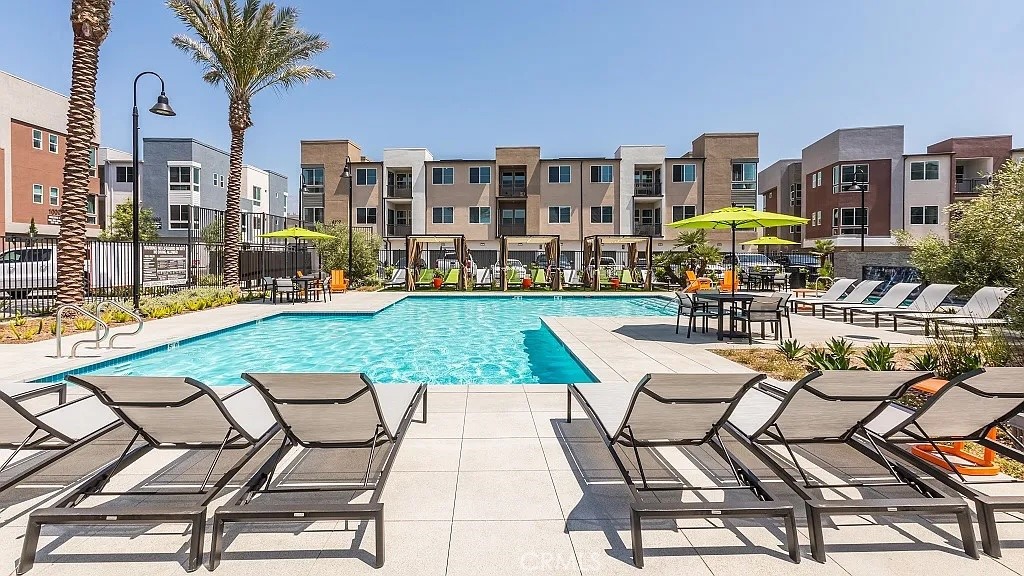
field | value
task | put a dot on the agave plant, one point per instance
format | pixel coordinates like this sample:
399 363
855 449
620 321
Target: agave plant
836 355
879 356
791 349
926 361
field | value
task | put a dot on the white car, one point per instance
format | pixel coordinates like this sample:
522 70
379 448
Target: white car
449 261
34 268
511 264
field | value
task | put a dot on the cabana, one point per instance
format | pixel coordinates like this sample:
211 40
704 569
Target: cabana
416 245
551 246
636 246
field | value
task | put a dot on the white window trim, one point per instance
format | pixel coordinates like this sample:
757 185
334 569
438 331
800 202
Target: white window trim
50 198
569 208
442 183
682 172
183 224
867 218
478 208
442 208
366 215
41 193
33 136
469 175
559 166
602 208
611 171
924 170
53 141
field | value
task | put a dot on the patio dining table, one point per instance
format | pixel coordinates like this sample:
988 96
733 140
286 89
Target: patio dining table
743 299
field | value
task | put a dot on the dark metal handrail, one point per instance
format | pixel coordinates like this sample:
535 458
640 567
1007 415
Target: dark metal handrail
512 190
400 190
647 189
971 185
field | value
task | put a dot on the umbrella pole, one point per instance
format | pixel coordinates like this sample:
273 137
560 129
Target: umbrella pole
734 275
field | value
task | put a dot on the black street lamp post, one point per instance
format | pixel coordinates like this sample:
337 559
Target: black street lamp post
347 173
161 108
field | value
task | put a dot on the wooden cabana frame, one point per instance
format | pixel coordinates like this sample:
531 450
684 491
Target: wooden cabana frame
550 243
593 248
414 245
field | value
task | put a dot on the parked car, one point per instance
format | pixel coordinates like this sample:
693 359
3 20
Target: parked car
564 263
511 264
34 268
605 261
748 262
808 261
449 261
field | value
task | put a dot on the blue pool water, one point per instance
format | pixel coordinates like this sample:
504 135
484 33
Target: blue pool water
436 340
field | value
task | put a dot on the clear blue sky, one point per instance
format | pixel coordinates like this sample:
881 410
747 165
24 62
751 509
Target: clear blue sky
575 77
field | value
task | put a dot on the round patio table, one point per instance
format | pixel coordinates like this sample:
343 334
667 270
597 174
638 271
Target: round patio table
732 298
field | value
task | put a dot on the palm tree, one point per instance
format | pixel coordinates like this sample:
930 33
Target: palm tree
90 22
245 49
825 248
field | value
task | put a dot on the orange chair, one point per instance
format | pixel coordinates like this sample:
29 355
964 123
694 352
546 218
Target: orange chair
694 284
338 281
728 283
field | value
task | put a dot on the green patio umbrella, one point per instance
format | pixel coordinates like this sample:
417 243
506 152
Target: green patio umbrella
298 234
736 218
768 241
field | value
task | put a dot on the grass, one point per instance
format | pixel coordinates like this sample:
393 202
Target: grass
771 362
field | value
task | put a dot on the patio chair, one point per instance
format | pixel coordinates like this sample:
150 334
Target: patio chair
165 413
573 279
838 288
967 409
349 431
539 277
928 300
797 435
268 287
729 282
780 280
893 298
764 310
285 286
452 277
338 281
627 279
397 279
325 288
682 411
784 308
977 312
692 309
858 295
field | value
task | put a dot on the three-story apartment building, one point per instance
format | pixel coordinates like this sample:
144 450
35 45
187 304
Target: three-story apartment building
637 191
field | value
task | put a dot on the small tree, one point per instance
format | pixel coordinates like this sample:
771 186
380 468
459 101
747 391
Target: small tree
692 251
32 230
213 233
334 252
121 224
825 249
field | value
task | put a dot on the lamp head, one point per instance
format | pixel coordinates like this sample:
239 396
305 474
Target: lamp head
162 106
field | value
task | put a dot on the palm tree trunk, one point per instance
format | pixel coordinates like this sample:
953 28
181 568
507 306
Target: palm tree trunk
238 118
90 21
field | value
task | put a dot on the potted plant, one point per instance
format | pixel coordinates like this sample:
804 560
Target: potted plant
438 279
615 282
527 282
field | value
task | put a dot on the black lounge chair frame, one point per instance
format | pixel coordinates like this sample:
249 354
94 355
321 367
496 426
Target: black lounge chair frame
745 479
934 500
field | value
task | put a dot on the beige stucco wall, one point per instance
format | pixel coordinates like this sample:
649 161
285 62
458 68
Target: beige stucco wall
927 193
460 196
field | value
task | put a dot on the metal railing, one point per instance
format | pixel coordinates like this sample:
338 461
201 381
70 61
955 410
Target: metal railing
398 230
115 304
647 229
99 324
512 229
971 185
647 189
400 190
512 190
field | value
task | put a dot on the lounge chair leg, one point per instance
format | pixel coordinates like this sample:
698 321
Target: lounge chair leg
568 405
989 533
967 533
425 390
677 323
792 538
789 322
216 542
195 549
638 542
815 533
28 547
378 524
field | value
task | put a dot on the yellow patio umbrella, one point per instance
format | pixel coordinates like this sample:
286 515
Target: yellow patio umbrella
298 234
768 241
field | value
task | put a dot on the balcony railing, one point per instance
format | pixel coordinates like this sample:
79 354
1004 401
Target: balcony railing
506 190
398 230
971 185
647 229
511 229
400 190
647 189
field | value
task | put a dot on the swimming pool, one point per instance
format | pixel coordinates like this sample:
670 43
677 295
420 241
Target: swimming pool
433 340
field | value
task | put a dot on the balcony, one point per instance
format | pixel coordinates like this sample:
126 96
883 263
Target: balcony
647 230
971 185
398 230
512 229
647 189
512 190
400 190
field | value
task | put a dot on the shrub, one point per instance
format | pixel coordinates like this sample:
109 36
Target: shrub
836 355
956 353
879 356
926 361
791 349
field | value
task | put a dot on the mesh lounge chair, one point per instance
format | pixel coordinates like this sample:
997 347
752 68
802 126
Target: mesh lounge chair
165 413
838 288
397 279
683 411
967 409
976 312
572 279
930 298
357 428
482 278
426 278
452 277
858 295
892 298
825 410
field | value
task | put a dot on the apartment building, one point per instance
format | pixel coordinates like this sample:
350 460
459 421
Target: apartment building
181 176
637 191
33 137
781 188
116 175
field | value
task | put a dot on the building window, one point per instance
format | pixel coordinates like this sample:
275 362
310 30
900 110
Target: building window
54 196
315 215
559 214
37 193
366 176
846 175
90 209
313 180
744 175
684 172
559 174
124 174
795 194
366 215
443 175
37 139
683 212
479 214
851 220
924 214
480 175
183 178
257 195
178 216
443 214
601 173
600 214
924 170
53 143
511 216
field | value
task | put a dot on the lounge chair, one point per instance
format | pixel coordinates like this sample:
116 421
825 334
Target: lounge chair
628 278
969 408
893 298
349 431
397 279
482 278
838 288
539 277
164 413
572 279
452 277
858 295
426 278
825 410
930 298
729 282
681 411
975 313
